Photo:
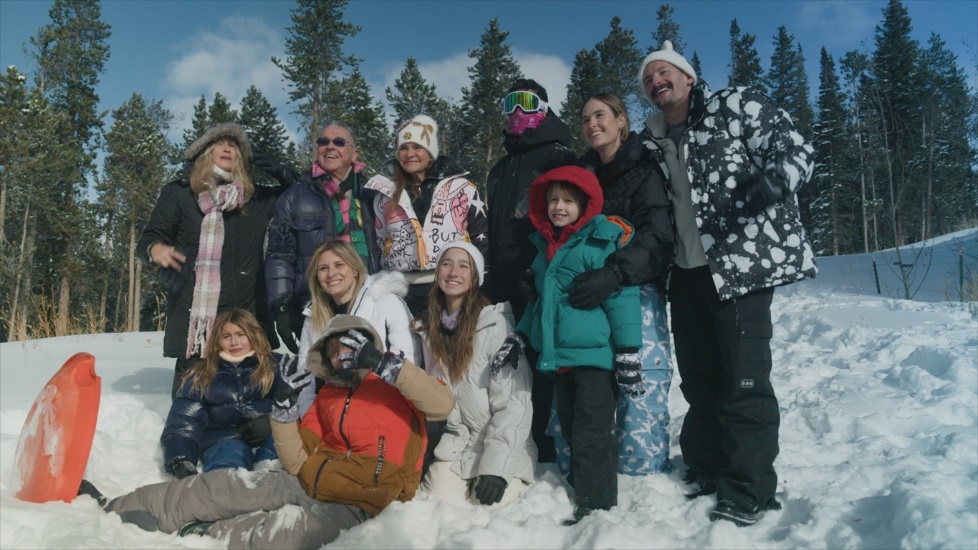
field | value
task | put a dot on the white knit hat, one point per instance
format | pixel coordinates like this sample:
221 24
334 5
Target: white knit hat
480 262
422 130
668 55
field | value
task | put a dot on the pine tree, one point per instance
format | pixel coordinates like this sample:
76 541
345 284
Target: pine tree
413 95
198 125
745 63
694 62
135 170
479 140
260 119
667 29
618 56
71 52
585 80
855 66
787 81
315 60
220 111
830 192
358 109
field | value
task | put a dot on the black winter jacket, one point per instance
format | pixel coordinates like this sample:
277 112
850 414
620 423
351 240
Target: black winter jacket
635 189
304 219
508 190
176 221
198 421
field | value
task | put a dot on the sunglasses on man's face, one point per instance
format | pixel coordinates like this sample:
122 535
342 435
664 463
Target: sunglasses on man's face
324 141
529 102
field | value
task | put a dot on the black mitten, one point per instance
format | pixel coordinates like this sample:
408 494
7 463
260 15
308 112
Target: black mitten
183 469
283 174
489 489
287 325
255 431
593 287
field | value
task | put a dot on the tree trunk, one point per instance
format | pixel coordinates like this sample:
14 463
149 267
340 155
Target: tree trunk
138 301
24 276
130 314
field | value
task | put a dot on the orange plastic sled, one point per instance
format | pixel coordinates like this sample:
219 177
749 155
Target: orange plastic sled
54 445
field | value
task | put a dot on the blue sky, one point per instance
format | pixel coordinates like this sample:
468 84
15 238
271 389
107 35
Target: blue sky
176 50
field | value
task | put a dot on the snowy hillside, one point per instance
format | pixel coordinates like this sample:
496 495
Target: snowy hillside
879 437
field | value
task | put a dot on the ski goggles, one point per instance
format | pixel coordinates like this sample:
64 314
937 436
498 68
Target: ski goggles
529 102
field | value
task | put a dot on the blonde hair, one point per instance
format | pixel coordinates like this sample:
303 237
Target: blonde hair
202 175
322 303
454 350
204 370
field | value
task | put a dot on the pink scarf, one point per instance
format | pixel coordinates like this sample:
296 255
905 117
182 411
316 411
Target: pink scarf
332 188
207 290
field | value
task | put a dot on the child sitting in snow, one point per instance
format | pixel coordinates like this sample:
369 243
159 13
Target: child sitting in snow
586 349
220 413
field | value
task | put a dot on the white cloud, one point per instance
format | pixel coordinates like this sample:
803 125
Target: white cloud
227 59
552 72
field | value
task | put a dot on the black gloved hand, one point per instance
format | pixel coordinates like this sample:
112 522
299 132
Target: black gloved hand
183 469
287 324
628 372
284 407
255 431
592 288
509 353
489 489
366 356
283 174
764 189
528 287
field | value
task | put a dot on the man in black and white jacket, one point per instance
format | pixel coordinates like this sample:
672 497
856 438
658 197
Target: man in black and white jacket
734 162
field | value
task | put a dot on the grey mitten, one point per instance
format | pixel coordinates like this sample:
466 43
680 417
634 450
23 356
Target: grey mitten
365 356
285 406
628 372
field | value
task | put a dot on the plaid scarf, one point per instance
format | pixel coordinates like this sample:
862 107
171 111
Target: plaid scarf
207 290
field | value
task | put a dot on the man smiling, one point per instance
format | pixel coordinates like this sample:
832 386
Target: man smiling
325 204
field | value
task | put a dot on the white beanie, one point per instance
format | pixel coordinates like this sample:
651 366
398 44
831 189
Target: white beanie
480 262
422 130
668 55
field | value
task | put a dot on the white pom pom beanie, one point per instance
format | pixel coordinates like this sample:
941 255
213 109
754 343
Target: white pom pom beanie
670 56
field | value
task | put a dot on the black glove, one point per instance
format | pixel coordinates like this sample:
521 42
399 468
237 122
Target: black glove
489 489
255 431
509 353
764 189
593 287
528 287
628 371
283 174
284 407
287 324
183 469
366 356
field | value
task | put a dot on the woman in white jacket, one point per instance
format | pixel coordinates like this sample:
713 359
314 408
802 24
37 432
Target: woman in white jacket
486 454
339 283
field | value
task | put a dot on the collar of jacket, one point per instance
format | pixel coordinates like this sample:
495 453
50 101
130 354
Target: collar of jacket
551 130
627 155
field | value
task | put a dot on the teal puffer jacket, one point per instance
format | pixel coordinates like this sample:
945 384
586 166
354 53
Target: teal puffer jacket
570 337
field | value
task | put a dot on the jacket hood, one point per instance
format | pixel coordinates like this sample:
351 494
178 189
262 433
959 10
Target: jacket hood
551 130
575 175
220 131
385 282
341 323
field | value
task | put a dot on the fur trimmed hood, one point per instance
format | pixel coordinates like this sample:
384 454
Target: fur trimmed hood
341 323
383 283
220 131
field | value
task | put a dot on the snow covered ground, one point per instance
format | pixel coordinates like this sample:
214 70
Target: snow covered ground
879 437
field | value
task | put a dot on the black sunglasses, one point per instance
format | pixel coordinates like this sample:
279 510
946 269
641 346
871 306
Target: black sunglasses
324 141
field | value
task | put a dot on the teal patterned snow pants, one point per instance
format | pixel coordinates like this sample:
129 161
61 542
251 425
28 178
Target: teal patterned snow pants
642 423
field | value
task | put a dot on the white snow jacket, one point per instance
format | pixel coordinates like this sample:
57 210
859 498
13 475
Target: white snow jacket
488 432
731 137
380 301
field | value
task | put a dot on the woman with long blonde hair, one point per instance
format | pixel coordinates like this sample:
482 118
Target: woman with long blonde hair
206 236
222 401
486 454
339 284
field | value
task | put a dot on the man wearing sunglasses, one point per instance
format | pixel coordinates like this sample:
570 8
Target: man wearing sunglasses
326 204
536 141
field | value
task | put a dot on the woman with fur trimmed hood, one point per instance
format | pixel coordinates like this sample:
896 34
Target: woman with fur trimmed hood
206 234
339 284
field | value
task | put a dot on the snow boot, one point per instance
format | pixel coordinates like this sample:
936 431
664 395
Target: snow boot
86 488
706 485
740 515
579 513
196 527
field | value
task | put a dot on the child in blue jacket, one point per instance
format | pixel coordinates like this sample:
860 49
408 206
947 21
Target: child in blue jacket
220 413
587 349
